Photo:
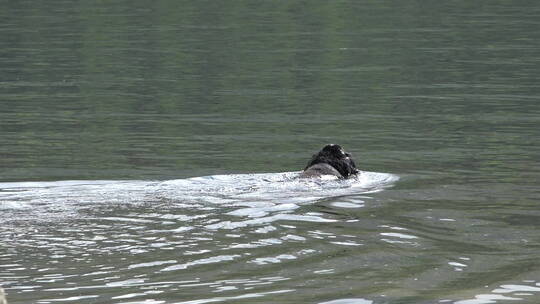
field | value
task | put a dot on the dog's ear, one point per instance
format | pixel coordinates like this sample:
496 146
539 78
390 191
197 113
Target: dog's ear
352 164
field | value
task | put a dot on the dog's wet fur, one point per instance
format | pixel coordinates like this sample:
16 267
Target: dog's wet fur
331 160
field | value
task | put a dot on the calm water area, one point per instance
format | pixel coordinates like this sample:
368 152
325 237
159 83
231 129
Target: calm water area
149 151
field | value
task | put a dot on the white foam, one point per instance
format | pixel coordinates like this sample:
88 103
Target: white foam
259 196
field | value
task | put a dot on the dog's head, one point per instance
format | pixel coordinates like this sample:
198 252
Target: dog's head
335 156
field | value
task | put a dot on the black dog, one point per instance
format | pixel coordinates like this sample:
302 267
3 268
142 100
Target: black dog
331 160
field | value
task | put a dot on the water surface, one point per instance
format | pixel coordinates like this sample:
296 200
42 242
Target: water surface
147 151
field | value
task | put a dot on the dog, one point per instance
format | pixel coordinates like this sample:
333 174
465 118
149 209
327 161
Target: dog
331 160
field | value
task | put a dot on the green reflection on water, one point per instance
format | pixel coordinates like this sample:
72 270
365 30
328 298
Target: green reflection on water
445 94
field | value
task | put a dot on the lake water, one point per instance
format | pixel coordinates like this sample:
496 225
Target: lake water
148 152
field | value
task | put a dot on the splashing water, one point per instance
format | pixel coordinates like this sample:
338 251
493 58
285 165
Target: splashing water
85 241
256 195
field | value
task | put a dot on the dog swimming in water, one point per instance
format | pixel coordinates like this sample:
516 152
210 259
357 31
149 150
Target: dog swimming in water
331 160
